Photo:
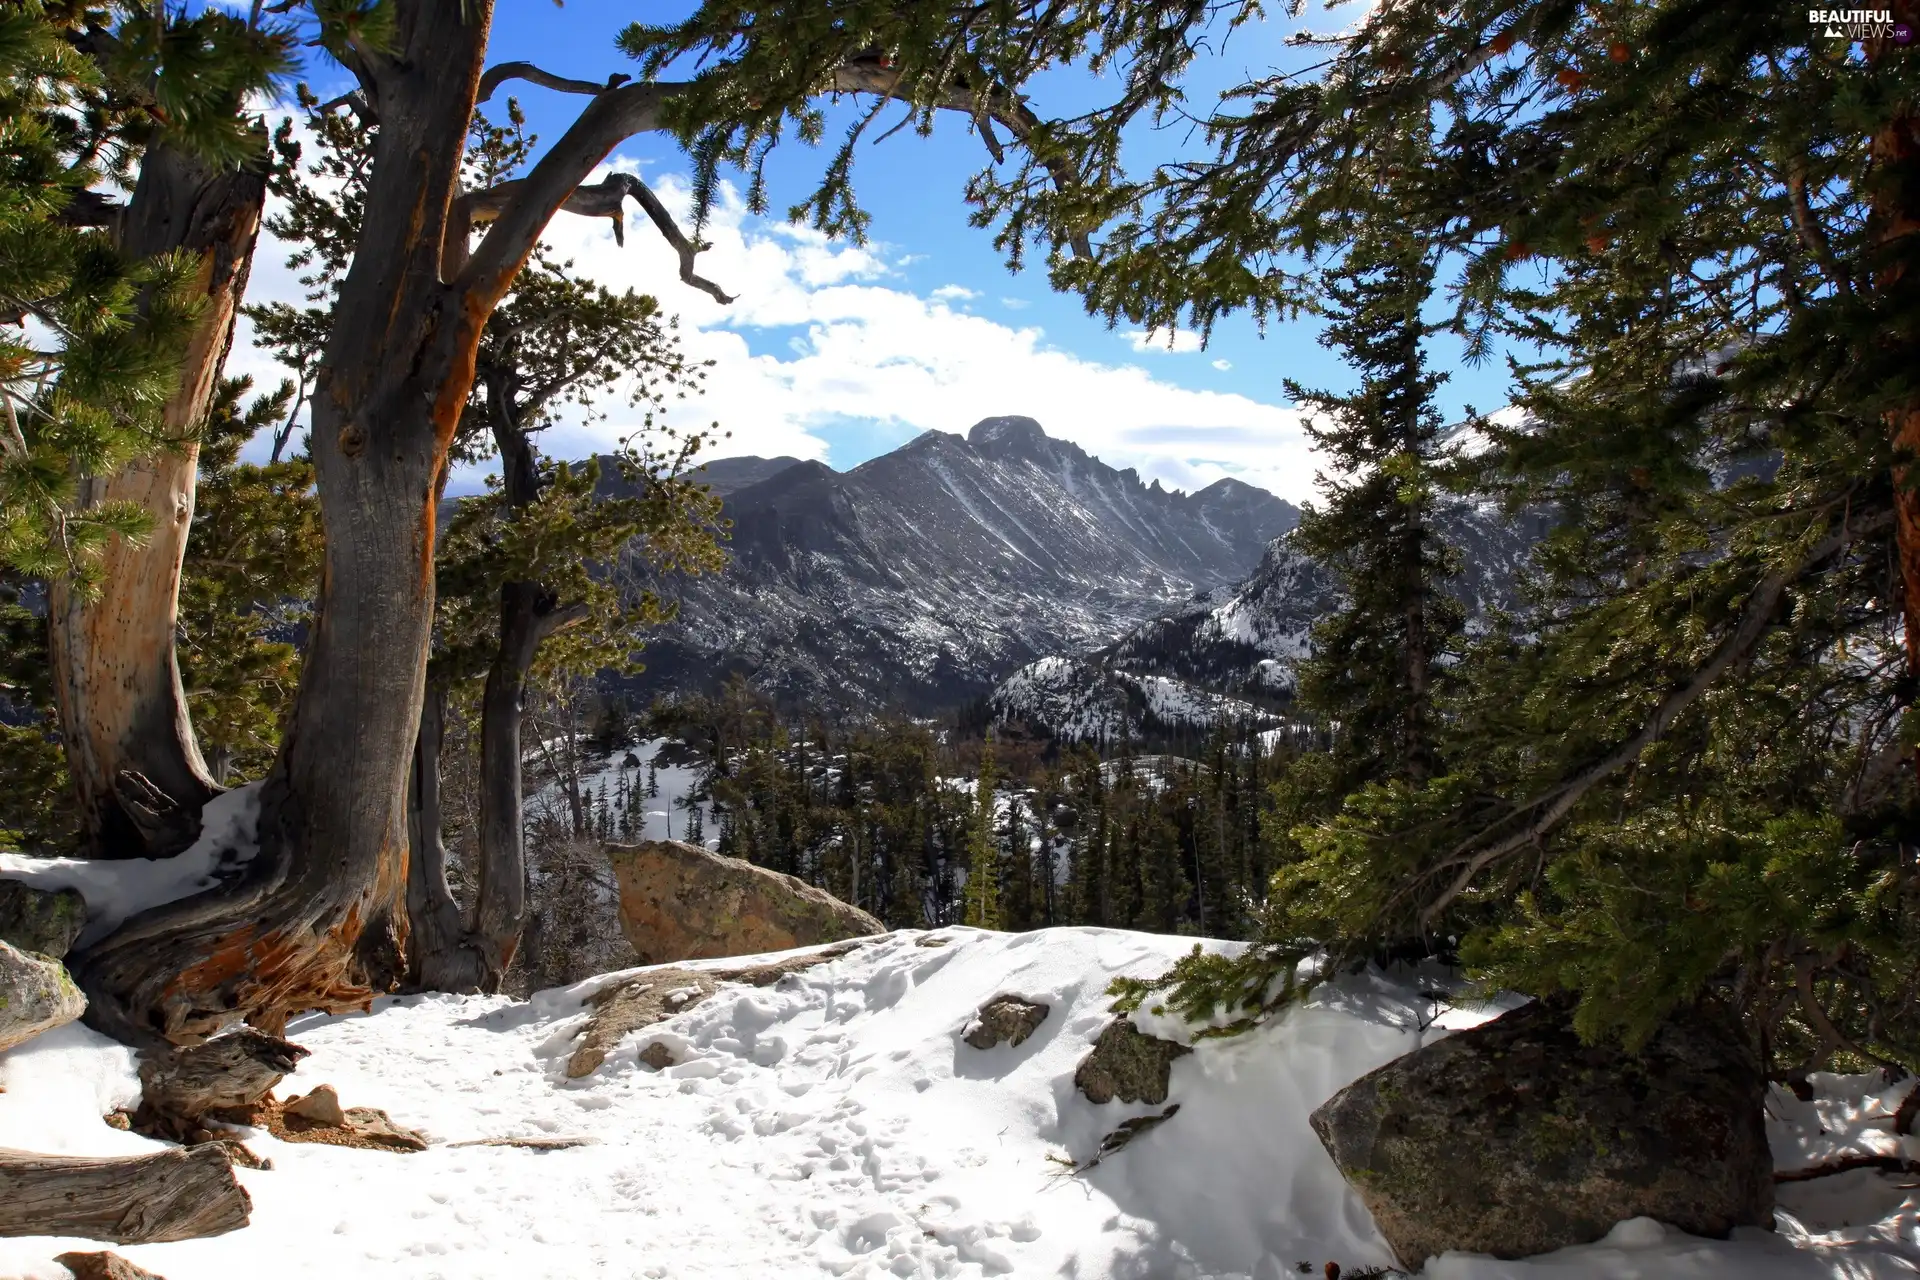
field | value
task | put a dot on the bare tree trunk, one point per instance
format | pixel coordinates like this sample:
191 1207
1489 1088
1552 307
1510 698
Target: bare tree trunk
123 713
317 918
529 613
176 1194
441 957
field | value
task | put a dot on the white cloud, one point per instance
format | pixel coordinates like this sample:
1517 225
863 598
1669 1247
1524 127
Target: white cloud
823 334
954 293
1181 341
1223 364
1015 304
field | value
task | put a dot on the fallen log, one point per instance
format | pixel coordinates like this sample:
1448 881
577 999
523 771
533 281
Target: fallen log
181 1193
180 1087
1847 1164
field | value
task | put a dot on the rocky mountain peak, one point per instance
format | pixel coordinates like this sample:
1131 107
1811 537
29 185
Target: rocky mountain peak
1013 434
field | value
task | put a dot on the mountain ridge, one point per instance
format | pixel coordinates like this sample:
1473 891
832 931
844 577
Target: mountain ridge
917 579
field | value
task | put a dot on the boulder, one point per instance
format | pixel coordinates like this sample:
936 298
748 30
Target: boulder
103 1266
1128 1064
322 1106
36 995
679 902
1515 1138
42 920
1004 1020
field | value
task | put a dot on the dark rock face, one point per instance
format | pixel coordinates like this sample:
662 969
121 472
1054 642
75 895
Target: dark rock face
38 920
1514 1138
1128 1064
1004 1020
920 578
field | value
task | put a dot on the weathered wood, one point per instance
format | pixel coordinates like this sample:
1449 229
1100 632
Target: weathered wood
123 715
317 919
103 1266
179 1087
531 1144
1847 1164
182 1193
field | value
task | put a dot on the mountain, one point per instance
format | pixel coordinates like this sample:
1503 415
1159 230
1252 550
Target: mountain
918 579
726 475
1233 649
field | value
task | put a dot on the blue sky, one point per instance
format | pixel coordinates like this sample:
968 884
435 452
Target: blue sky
842 352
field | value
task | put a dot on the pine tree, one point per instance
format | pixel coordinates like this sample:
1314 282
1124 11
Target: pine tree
252 565
1377 660
84 395
983 859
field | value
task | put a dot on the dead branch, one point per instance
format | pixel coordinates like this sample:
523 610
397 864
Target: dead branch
498 75
603 199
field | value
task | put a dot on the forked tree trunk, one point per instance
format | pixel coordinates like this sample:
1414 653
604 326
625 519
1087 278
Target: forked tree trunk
123 714
317 918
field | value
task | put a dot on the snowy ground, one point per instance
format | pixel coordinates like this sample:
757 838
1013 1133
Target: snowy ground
661 817
836 1125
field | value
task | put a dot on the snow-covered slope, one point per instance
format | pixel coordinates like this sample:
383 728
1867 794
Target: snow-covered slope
1088 700
1243 640
918 579
834 1124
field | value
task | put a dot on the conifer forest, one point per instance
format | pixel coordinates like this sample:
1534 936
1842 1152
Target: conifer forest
1521 779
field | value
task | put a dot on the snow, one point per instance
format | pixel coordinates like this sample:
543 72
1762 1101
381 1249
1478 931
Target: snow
115 890
834 1124
664 816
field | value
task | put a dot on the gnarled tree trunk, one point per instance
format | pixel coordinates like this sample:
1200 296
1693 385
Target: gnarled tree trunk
316 919
123 715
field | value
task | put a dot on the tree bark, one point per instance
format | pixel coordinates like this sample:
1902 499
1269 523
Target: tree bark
178 1087
448 958
123 714
317 918
178 1194
440 955
1894 229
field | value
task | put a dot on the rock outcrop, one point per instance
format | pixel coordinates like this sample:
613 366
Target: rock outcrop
1515 1138
679 902
103 1266
659 994
36 995
1004 1020
1128 1064
46 921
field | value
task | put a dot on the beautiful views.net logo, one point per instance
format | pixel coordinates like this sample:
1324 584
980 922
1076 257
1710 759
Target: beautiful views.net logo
1860 24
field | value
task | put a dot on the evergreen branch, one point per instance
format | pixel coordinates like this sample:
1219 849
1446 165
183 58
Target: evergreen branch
994 106
1755 620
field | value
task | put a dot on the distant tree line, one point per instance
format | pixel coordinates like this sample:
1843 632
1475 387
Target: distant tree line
893 816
